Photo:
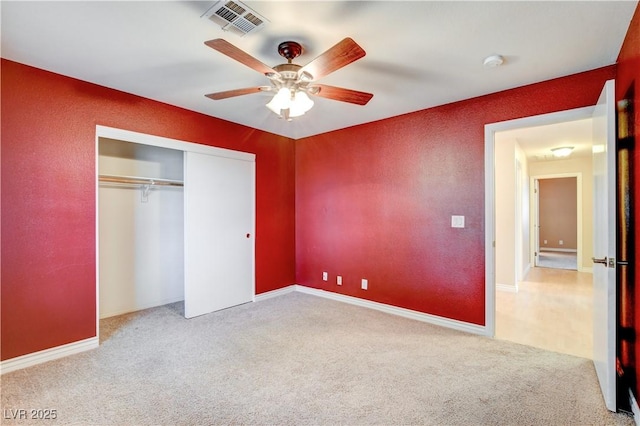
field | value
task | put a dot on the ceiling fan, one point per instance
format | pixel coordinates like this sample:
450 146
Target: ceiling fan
292 83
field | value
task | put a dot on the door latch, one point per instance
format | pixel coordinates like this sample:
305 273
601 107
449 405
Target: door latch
606 261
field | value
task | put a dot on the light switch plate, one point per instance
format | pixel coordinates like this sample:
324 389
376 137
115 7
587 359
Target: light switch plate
457 221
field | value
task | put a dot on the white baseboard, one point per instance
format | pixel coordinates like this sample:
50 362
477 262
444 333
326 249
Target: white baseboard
39 357
274 293
507 288
394 310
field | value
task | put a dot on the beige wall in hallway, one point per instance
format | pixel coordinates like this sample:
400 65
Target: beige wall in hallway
512 220
577 165
558 213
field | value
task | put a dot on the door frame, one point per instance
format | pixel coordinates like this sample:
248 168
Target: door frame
535 206
490 200
535 222
519 252
162 142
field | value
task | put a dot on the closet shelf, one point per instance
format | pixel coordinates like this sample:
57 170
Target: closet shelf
135 180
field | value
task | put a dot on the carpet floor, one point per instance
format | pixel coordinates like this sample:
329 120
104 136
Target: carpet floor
558 260
299 359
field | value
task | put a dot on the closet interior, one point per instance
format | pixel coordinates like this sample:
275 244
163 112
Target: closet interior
141 226
176 223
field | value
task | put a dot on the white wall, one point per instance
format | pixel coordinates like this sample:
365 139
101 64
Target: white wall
505 175
512 213
523 235
141 244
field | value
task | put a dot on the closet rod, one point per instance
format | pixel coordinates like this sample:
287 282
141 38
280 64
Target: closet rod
139 180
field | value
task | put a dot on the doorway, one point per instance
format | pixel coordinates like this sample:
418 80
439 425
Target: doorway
536 305
556 204
603 190
496 239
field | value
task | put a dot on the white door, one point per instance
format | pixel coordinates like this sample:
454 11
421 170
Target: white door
219 216
604 244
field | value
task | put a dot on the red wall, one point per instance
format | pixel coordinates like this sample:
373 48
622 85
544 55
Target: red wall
628 80
48 198
371 201
375 201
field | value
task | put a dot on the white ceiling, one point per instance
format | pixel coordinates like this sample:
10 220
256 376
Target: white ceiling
537 142
420 54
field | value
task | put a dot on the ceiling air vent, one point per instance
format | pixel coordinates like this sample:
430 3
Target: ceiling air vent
236 17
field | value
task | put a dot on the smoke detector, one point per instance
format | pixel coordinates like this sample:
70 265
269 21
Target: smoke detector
235 17
493 61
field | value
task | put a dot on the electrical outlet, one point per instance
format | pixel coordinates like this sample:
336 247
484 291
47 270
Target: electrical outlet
365 284
339 280
545 241
561 242
325 276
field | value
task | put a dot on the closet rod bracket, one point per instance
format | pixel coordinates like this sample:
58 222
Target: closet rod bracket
145 192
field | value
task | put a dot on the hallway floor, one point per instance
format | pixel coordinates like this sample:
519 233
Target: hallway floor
558 260
552 310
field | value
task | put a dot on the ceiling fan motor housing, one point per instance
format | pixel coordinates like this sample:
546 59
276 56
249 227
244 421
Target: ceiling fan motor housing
289 50
288 71
288 76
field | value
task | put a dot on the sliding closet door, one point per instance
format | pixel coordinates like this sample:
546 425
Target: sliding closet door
219 218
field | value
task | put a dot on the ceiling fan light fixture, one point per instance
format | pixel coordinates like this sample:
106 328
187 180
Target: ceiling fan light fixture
280 101
561 152
300 104
297 103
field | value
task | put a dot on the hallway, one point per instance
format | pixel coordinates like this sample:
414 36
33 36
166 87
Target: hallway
552 310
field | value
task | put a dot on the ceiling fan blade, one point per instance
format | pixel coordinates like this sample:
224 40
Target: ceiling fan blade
340 94
338 56
239 55
231 93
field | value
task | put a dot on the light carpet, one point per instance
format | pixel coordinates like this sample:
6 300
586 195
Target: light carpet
299 359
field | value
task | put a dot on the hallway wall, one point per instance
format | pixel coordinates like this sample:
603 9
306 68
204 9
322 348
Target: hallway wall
558 199
584 167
